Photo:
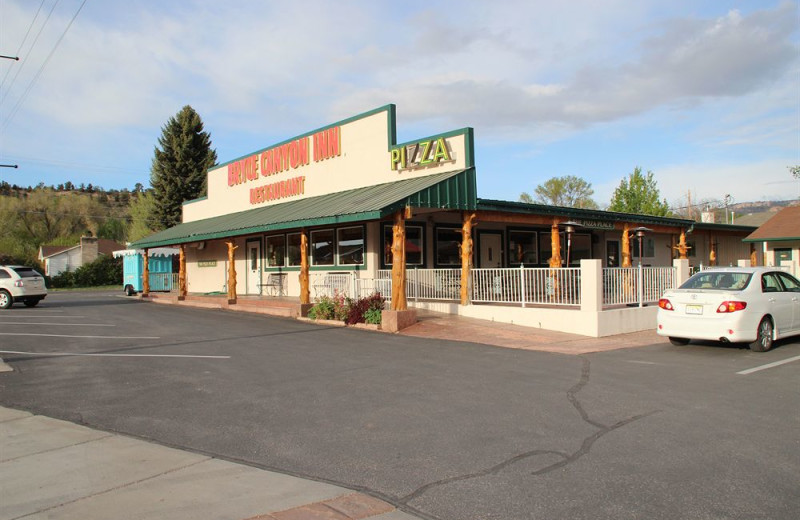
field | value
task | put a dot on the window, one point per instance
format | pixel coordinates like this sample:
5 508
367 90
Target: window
580 249
293 249
448 246
790 283
648 248
770 283
415 254
546 248
254 259
4 274
350 246
322 247
276 251
522 248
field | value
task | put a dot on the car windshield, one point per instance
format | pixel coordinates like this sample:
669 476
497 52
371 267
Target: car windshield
720 280
26 272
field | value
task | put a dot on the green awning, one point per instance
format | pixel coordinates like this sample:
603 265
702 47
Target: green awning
450 190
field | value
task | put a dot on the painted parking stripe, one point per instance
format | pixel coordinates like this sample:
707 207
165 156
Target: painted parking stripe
111 355
768 365
56 324
18 317
69 336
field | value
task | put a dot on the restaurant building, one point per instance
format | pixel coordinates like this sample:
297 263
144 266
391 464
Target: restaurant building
319 212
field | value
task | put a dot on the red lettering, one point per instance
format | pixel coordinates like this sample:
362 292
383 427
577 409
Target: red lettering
333 142
302 151
293 154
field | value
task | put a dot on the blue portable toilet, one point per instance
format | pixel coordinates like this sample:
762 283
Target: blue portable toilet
160 267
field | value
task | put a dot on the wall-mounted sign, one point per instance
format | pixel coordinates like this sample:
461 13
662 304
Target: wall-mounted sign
206 263
596 224
420 154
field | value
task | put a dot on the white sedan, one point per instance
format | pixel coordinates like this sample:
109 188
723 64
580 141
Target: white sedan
755 305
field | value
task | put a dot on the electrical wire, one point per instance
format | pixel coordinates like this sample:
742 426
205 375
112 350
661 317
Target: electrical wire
33 45
24 96
3 83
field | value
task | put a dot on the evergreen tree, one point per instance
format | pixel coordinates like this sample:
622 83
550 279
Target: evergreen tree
182 159
639 194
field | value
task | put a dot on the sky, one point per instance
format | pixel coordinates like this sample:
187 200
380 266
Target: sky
705 94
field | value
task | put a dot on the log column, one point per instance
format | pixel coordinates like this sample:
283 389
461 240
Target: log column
626 246
231 270
466 255
399 302
182 274
305 293
712 255
753 255
555 245
146 273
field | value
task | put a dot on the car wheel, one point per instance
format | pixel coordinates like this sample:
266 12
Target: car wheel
763 340
5 300
678 341
31 303
129 290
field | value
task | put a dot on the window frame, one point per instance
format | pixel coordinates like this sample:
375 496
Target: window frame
423 240
337 246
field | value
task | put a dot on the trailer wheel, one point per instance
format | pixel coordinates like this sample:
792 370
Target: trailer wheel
129 290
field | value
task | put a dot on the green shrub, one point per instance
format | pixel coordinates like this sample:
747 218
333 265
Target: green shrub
359 309
373 316
106 270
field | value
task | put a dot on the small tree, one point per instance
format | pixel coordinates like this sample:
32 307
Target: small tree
639 194
568 191
180 165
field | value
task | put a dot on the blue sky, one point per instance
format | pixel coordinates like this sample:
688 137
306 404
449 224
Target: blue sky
706 94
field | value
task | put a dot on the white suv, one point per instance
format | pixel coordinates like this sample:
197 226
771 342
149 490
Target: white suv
20 284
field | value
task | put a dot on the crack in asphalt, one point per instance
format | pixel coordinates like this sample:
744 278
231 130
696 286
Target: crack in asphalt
567 459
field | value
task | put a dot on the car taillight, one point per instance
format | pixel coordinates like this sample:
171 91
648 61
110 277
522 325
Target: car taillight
731 306
665 304
19 283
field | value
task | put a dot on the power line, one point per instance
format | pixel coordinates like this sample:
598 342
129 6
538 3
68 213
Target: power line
33 45
46 61
23 43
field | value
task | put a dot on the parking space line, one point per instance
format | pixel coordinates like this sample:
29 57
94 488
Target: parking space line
111 355
768 365
16 316
69 336
56 324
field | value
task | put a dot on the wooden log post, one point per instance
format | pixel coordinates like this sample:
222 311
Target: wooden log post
466 255
683 249
399 302
554 288
231 270
712 255
626 246
182 274
753 255
146 273
305 293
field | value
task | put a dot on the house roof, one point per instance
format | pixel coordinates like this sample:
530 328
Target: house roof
450 190
785 225
105 246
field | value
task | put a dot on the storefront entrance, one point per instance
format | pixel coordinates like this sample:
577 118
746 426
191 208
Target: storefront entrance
491 250
254 267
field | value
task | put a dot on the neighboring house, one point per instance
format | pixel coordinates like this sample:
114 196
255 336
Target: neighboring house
780 238
57 259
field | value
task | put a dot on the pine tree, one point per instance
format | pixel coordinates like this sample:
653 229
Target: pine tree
180 165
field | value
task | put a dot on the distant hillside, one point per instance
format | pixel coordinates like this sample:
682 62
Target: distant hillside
756 213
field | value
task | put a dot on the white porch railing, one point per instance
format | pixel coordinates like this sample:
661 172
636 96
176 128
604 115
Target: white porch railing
630 285
524 286
330 284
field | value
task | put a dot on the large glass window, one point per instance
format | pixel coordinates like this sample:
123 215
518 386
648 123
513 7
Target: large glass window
546 248
276 251
350 244
522 247
293 249
648 248
322 247
415 253
448 247
580 249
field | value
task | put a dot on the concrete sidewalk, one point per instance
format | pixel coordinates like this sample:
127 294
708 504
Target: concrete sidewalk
56 470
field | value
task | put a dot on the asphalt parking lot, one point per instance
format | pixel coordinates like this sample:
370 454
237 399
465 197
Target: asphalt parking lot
441 429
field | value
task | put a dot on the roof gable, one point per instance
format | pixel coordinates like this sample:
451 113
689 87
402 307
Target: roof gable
785 225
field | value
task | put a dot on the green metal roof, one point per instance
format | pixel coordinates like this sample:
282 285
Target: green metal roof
579 213
450 190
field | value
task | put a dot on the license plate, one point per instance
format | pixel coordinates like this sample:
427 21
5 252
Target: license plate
694 309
